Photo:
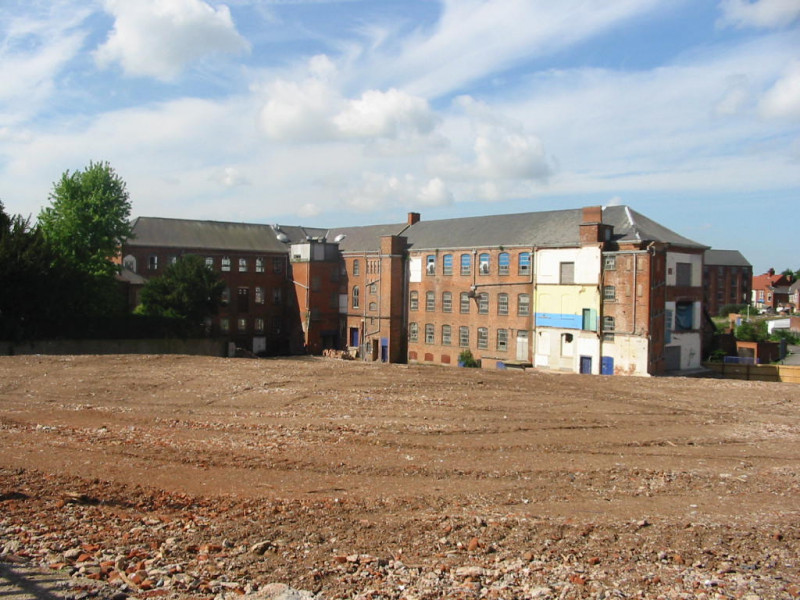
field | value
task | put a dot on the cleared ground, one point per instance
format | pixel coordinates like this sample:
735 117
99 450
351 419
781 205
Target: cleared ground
393 481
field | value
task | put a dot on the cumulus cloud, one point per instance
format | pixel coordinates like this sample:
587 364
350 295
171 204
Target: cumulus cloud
299 111
385 114
159 38
782 100
379 191
502 149
760 14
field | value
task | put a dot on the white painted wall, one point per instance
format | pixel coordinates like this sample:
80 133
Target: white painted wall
415 269
690 344
696 260
629 354
587 264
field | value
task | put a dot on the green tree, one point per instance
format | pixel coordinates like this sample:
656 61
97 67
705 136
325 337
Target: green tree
40 292
795 274
188 290
88 219
752 331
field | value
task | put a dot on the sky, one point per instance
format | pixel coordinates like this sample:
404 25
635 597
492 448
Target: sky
353 112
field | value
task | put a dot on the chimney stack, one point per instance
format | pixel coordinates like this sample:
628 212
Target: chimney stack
413 217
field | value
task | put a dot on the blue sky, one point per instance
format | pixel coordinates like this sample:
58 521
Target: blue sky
330 113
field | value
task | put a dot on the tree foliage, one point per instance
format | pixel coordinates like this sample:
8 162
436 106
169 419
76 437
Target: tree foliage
187 290
752 331
795 274
39 290
88 219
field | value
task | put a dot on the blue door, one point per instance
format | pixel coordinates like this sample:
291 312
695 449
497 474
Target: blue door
353 336
607 365
586 365
384 349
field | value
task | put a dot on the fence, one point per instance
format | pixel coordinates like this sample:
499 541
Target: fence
781 373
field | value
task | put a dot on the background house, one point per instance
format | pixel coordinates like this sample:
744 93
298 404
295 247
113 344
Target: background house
727 277
770 290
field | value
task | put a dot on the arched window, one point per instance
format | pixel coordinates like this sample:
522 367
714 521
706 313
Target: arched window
430 301
483 303
502 304
447 302
466 264
413 300
356 267
483 264
446 341
447 264
355 296
503 262
524 263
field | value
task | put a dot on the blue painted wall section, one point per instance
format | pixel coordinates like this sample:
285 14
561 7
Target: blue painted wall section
559 320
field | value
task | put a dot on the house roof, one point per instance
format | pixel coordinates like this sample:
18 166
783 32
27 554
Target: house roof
214 235
557 228
725 258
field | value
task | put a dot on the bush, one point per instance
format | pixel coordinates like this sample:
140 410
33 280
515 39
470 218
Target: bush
466 359
752 331
784 334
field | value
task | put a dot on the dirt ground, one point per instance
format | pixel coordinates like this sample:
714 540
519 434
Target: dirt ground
197 477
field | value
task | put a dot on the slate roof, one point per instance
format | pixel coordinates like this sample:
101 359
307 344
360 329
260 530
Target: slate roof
557 228
214 235
725 258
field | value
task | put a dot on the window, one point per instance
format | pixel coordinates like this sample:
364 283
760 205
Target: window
413 332
277 265
609 324
567 273
464 301
430 264
667 326
524 305
243 299
259 325
373 288
610 263
466 264
430 301
277 295
429 333
524 263
447 302
483 303
683 274
355 296
242 265
446 341
447 264
483 264
226 296
210 262
226 263
152 262
413 300
172 260
609 293
503 263
241 325
684 316
224 325
373 306
502 339
483 337
259 295
502 304
259 265
463 336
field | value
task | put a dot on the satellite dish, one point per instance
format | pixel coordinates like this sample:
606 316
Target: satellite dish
282 237
339 237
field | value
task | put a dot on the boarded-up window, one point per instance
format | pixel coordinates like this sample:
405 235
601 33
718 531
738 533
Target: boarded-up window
567 273
683 274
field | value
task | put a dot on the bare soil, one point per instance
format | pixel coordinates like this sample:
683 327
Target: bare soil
197 477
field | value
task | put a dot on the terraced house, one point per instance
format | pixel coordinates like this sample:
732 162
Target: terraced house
583 290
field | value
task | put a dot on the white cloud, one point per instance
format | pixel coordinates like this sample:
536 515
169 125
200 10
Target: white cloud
782 100
229 177
385 114
308 210
760 14
475 38
159 38
34 50
614 201
298 112
735 98
377 191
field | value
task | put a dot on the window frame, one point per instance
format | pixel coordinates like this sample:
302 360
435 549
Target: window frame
502 340
464 302
463 336
447 302
527 304
483 338
355 296
447 264
413 300
503 263
524 263
430 301
502 304
484 264
465 264
483 303
430 334
447 333
413 331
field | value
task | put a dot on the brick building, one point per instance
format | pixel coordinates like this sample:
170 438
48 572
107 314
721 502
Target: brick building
770 290
586 290
727 276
